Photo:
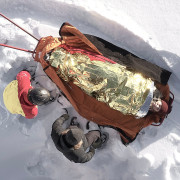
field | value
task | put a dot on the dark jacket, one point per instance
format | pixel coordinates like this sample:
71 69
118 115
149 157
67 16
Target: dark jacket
76 155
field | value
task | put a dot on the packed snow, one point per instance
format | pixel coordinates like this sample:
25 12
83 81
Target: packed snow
149 29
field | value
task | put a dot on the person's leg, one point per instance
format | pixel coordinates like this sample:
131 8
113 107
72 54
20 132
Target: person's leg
92 136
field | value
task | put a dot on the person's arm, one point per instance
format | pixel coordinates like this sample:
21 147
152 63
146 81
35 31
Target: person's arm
87 156
57 125
24 80
33 113
57 129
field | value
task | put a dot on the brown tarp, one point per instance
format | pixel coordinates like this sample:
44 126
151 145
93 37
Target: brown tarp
85 105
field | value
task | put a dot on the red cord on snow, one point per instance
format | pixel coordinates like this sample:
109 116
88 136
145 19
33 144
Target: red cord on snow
5 45
18 26
21 29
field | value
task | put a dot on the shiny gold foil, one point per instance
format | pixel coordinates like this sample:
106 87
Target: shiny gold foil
112 84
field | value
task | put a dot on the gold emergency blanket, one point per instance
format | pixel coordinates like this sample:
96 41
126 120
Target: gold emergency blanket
113 84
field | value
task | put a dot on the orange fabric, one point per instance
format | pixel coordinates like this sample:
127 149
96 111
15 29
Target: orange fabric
87 106
73 37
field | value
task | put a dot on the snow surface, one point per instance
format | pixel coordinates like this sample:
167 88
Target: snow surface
149 29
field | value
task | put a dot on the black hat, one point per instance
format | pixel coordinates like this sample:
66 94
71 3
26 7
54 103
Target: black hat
73 136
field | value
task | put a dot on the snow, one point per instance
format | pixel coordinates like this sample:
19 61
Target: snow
150 29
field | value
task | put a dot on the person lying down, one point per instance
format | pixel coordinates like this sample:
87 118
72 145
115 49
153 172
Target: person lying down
111 83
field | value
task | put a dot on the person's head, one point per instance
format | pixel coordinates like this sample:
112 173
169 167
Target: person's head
155 105
160 106
39 96
73 137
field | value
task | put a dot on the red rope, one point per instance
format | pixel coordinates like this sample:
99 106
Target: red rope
5 45
18 26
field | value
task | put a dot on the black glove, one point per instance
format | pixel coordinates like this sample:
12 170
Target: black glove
65 117
101 141
97 144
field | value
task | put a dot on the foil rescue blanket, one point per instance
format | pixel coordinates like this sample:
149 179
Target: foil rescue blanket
112 84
